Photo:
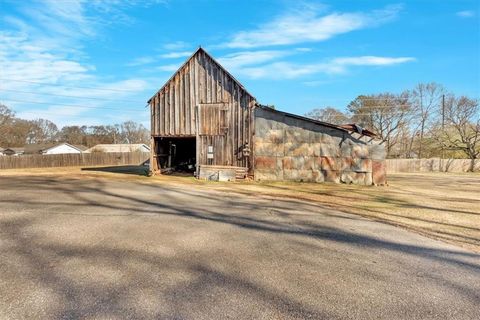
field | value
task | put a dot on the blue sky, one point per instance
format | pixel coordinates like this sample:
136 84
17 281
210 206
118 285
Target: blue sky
97 62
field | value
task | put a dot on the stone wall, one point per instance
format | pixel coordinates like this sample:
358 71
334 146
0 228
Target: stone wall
290 148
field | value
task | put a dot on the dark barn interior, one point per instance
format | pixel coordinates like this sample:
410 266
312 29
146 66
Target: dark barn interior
176 154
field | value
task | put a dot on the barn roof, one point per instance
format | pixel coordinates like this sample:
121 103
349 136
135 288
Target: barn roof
200 49
346 127
356 128
296 116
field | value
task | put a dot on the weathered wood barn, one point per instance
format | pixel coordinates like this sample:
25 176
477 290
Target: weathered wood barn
204 121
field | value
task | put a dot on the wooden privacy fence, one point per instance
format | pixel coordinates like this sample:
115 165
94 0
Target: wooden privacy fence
429 165
73 160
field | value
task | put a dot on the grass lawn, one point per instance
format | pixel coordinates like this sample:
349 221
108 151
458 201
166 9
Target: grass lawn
445 206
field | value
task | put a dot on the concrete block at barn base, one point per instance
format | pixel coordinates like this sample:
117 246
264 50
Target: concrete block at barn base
379 172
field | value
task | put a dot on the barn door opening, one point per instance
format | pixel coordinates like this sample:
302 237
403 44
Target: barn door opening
177 154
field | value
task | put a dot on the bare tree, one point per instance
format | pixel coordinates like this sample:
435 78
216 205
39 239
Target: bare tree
425 100
132 132
6 115
16 133
328 114
74 135
384 113
42 130
462 128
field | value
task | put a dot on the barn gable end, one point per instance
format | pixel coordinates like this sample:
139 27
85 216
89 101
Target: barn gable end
204 101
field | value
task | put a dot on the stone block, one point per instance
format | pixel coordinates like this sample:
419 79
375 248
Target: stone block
298 163
329 150
360 151
298 175
350 177
361 165
331 176
326 139
346 148
379 173
268 149
274 136
316 137
269 163
298 149
368 179
317 176
331 164
346 163
268 175
316 151
317 163
291 175
297 135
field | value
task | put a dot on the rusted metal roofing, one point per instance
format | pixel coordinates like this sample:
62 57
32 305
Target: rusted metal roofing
296 116
353 127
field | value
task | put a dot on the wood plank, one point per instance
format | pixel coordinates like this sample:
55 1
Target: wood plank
171 111
177 108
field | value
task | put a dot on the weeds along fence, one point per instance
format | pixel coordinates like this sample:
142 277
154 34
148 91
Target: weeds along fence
73 160
429 165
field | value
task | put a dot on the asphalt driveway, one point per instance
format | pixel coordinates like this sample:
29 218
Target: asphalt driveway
108 249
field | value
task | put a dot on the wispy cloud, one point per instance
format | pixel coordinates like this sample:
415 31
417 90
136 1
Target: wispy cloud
248 58
168 67
466 14
174 55
177 45
140 61
307 25
288 70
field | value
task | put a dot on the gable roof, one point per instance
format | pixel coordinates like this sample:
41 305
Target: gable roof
200 49
38 147
80 147
14 149
77 147
42 147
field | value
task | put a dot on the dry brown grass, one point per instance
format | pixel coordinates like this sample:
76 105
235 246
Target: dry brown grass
444 206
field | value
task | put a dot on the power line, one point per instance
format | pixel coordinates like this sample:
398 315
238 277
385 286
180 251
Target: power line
68 96
67 86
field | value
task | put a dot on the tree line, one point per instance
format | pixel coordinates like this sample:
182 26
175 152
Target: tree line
16 132
427 121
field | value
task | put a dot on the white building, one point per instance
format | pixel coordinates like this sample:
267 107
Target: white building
58 148
64 148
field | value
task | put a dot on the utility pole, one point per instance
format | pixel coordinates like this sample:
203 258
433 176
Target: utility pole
443 129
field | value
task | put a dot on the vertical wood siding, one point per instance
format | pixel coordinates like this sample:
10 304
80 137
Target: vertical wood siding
201 82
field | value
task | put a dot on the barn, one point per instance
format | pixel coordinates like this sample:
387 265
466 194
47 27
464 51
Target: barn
205 122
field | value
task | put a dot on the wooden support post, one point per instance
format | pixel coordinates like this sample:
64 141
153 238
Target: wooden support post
154 169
